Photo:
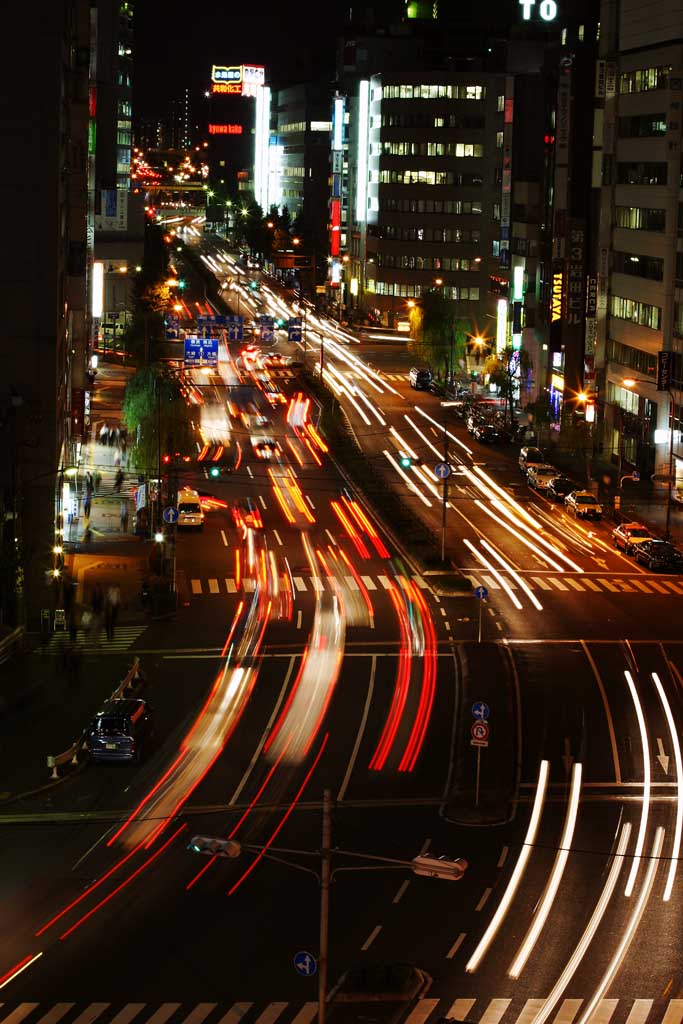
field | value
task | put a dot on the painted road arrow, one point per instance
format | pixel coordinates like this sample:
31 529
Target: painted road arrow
662 757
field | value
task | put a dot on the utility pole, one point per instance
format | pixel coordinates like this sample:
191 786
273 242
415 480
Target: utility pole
326 856
670 481
445 491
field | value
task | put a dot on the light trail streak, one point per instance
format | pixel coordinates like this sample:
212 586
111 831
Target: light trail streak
539 540
424 710
493 486
424 437
404 444
284 818
409 482
19 968
517 873
401 686
365 524
494 572
591 928
353 534
553 884
519 536
645 808
515 575
631 928
440 427
421 473
676 849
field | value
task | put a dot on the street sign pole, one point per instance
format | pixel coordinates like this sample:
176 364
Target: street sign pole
326 856
445 492
481 604
476 785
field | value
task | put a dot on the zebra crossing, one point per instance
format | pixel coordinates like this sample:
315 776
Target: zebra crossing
89 642
302 585
423 1011
567 583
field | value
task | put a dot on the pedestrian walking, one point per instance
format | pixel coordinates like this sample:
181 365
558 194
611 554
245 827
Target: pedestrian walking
87 503
104 434
98 481
89 485
124 516
118 481
112 609
111 438
97 611
117 436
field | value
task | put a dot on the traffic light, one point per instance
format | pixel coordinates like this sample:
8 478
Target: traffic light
254 285
182 283
406 461
279 322
215 471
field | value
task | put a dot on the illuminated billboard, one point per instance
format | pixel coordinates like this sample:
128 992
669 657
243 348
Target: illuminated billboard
225 129
237 80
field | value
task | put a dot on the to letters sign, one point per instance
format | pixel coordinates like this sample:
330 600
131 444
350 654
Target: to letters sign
547 9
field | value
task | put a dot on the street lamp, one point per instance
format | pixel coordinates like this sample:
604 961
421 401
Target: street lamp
630 382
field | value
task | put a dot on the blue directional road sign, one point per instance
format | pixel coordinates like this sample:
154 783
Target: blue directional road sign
193 351
210 351
305 964
481 593
442 470
170 515
235 328
294 329
480 710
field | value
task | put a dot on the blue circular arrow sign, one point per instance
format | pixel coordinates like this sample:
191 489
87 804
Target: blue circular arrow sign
442 470
305 964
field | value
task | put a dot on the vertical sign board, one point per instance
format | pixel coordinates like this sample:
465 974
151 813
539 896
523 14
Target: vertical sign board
664 368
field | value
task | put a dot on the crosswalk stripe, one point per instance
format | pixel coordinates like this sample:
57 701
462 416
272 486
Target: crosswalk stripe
299 583
491 583
306 1014
674 1012
541 582
21 1011
351 583
386 582
369 582
126 1015
669 583
460 1009
421 1011
625 587
199 1013
196 586
249 586
55 1014
422 584
317 584
165 1011
557 583
658 587
213 586
271 1013
590 584
90 1014
531 1008
641 586
231 586
608 585
494 1011
639 1011
568 1011
574 583
235 1013
602 1014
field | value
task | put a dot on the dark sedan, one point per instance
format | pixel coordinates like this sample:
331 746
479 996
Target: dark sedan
559 488
487 433
659 554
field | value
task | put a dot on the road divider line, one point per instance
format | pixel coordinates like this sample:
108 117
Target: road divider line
299 616
678 828
484 898
224 538
503 856
371 937
290 668
425 846
401 891
608 713
449 956
517 873
361 731
277 537
647 771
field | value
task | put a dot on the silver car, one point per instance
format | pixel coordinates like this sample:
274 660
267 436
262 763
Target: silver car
541 476
583 504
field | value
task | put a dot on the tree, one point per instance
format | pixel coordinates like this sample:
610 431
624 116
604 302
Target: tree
438 337
157 417
504 369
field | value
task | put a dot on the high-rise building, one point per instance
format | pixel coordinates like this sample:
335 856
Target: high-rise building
177 131
43 282
640 256
302 126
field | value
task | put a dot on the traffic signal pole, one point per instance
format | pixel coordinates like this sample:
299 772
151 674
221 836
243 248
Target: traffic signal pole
445 491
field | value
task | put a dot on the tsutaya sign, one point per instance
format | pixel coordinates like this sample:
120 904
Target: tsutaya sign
547 9
556 298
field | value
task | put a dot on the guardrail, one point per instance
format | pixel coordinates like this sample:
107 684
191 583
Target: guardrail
70 756
12 643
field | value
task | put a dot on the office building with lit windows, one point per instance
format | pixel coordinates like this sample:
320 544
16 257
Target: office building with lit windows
640 259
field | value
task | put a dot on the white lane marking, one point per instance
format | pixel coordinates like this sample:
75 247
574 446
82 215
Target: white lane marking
658 586
257 753
80 861
250 472
165 1011
503 856
263 504
484 897
361 730
371 937
196 586
331 536
298 619
224 538
421 583
568 1010
235 1013
401 891
451 953
369 582
126 1015
299 583
425 846
306 1014
271 1013
55 1014
386 583
277 537
541 583
310 502
460 1009
639 1011
423 1008
231 586
213 586
200 1011
447 625
557 583
443 612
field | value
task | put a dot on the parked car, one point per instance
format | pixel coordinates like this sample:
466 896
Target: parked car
583 504
488 433
559 487
659 554
420 379
530 456
628 536
473 421
540 477
120 730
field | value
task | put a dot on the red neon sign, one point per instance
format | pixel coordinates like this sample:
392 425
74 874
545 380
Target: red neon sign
225 129
335 232
229 88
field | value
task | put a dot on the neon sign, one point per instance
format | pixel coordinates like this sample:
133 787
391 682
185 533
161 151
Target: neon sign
220 74
225 129
547 9
556 299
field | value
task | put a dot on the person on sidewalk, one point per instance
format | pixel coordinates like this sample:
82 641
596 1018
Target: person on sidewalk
87 503
97 610
104 434
112 609
124 516
98 481
118 481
